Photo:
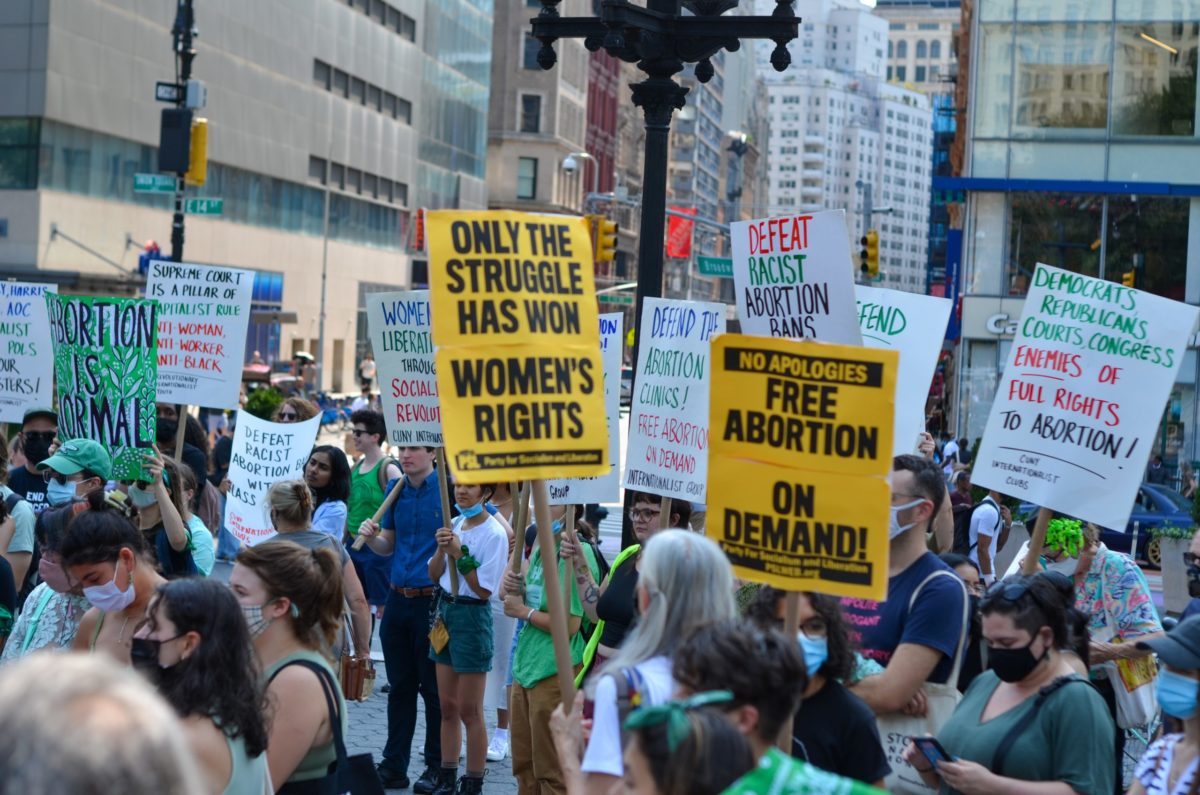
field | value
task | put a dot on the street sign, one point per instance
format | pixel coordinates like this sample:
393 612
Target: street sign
715 266
153 183
168 92
624 299
203 206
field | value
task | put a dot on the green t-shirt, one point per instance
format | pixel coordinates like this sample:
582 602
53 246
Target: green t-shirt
779 774
534 660
1063 743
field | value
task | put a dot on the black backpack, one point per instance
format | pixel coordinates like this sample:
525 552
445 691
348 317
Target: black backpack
962 525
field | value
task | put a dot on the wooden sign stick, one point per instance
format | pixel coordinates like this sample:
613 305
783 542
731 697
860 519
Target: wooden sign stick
553 593
664 513
519 522
180 431
440 474
384 507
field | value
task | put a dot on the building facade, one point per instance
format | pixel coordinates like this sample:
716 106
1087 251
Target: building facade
921 33
839 131
364 107
1082 153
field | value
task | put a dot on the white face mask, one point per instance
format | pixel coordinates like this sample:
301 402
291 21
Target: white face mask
109 597
897 528
140 497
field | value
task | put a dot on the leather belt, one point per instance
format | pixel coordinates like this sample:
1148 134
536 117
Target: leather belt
412 593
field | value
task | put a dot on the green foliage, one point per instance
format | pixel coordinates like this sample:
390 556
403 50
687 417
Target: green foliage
263 402
1171 531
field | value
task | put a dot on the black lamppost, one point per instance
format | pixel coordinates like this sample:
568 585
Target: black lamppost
661 40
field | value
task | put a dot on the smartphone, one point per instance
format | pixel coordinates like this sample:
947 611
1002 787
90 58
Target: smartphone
933 750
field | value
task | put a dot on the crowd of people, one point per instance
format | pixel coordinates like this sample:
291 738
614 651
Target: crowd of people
963 681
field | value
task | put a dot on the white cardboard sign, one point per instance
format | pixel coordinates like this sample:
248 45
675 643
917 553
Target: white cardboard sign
1082 394
794 277
26 350
914 325
264 453
604 488
398 324
667 452
203 316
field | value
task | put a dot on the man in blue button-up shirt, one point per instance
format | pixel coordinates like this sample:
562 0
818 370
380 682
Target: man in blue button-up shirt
409 530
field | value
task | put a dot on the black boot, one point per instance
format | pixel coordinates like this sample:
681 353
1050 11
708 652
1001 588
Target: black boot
428 780
470 785
446 778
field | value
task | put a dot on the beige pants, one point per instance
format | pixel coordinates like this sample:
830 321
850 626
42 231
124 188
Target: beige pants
534 759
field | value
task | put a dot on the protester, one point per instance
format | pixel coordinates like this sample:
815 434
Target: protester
295 409
105 554
613 605
195 440
995 739
972 662
227 542
55 607
160 507
368 479
292 600
201 538
415 517
327 473
478 549
954 456
535 690
765 673
1156 472
8 602
496 687
1172 763
685 582
363 401
833 730
961 496
195 649
1187 480
684 747
18 550
39 429
366 370
990 524
291 505
80 725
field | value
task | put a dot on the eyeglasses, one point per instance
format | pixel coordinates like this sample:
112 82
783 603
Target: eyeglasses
57 477
814 628
643 515
290 416
40 434
360 432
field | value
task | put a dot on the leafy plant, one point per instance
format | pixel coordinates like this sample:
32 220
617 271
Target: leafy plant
1171 531
263 402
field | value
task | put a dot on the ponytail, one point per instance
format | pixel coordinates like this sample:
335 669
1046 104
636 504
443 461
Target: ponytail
310 579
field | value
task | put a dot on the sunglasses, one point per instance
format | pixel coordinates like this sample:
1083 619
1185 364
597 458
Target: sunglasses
360 432
289 417
57 477
40 434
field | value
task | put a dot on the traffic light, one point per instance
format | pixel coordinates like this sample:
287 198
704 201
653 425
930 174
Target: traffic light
606 239
871 241
1128 278
174 140
862 257
197 172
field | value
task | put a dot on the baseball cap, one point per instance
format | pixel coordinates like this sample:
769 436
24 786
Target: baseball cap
1179 648
39 411
79 454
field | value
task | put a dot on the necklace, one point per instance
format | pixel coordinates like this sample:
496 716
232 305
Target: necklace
121 634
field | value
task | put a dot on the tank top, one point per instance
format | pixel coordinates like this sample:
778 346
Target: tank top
316 762
616 606
365 495
247 776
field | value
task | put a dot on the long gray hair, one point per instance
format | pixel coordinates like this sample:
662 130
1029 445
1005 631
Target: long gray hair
690 584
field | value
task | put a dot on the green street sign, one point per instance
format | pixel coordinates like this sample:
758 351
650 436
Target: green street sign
716 266
624 299
203 206
153 183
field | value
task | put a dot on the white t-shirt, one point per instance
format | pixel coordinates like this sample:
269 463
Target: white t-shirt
360 402
951 449
488 544
986 520
603 753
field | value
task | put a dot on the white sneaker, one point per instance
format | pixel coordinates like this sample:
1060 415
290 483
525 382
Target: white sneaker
497 748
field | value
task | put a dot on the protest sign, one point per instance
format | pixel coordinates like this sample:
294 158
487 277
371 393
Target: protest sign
606 488
794 277
26 366
914 325
263 454
800 451
106 369
667 453
398 324
516 331
203 315
1079 402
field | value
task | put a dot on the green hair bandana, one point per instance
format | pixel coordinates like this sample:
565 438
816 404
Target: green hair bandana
674 714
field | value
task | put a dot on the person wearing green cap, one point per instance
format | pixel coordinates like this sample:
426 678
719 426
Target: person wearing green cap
77 468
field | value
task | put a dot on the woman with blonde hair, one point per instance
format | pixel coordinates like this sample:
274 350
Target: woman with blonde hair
292 600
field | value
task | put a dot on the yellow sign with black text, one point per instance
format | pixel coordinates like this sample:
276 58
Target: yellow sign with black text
800 530
800 447
516 329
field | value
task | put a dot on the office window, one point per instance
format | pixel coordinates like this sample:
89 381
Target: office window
404 110
322 73
532 46
531 113
374 98
935 49
902 50
922 49
353 180
889 49
901 73
316 168
371 185
1154 85
408 27
527 168
379 11
1046 55
341 83
358 90
920 75
389 104
337 175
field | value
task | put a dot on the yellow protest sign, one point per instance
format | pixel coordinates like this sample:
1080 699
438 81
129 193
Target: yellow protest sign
799 450
802 404
799 530
516 329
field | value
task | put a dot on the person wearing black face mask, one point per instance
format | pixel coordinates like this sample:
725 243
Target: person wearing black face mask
1030 717
38 431
195 649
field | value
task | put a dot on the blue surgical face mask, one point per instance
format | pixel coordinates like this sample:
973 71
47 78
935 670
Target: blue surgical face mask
816 652
1177 694
472 511
557 526
60 493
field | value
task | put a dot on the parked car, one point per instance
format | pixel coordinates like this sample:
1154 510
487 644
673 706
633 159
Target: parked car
626 386
1156 506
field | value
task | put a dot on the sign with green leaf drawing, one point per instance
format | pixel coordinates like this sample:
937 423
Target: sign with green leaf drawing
106 366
